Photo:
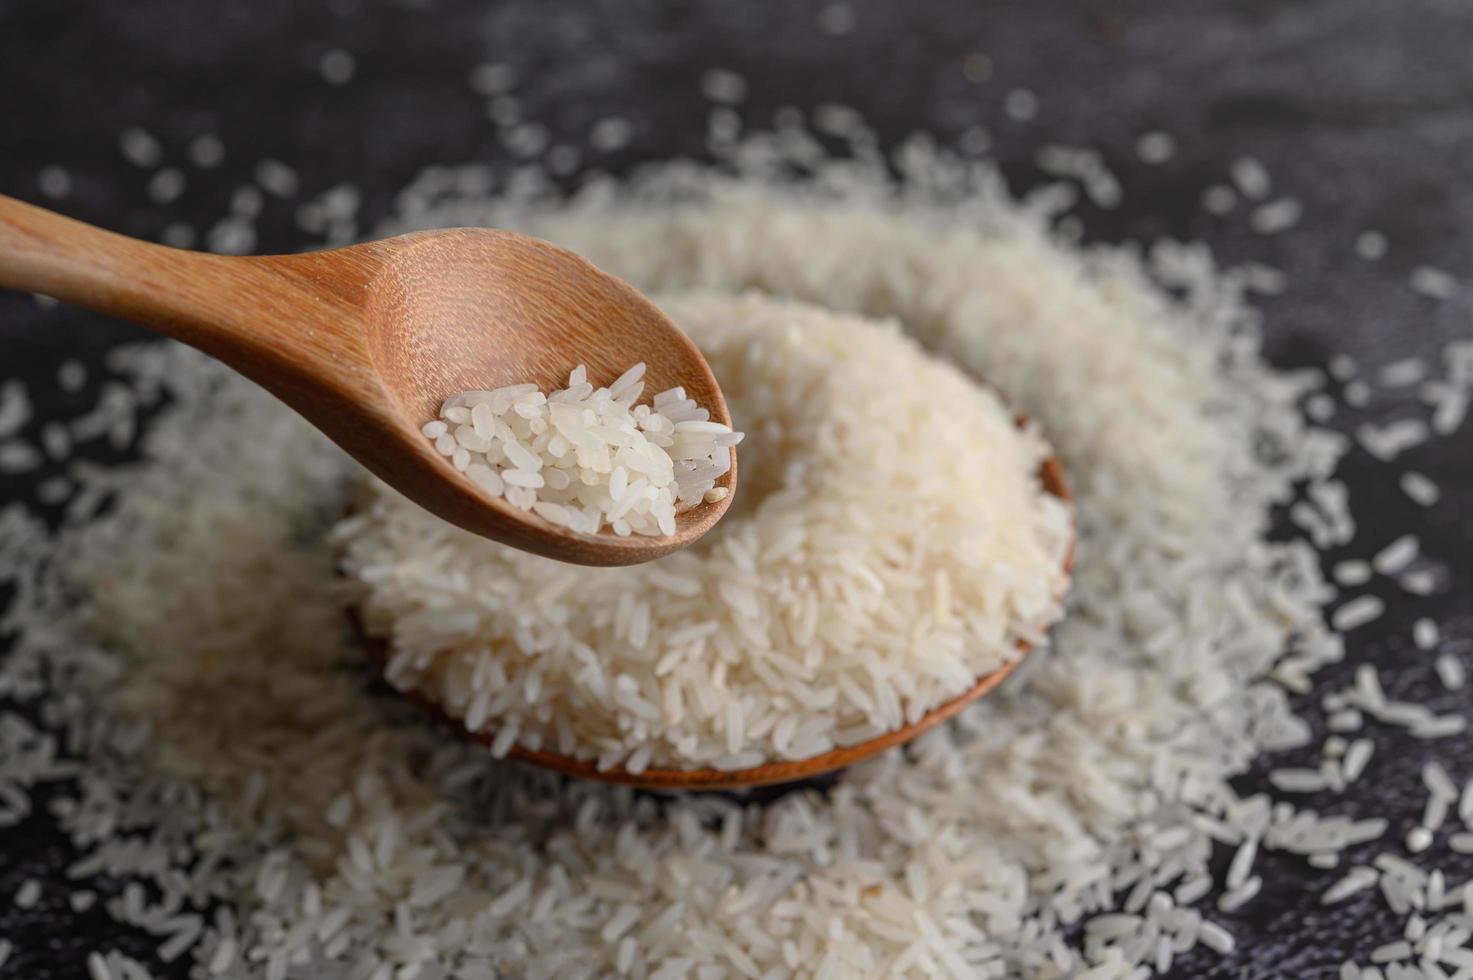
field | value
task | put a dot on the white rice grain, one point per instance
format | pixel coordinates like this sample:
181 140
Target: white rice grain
1433 283
1357 613
1396 556
1451 672
1420 488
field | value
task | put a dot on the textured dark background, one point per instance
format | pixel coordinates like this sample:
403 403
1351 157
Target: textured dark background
1362 109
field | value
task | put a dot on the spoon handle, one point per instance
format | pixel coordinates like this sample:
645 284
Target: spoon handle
161 288
241 310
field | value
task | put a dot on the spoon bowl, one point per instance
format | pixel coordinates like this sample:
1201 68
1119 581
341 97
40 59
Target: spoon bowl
1051 474
367 342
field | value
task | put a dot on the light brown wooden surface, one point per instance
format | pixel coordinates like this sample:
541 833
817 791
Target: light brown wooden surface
1052 478
366 342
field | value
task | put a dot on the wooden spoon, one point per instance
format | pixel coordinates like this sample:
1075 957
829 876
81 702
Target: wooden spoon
367 342
1052 476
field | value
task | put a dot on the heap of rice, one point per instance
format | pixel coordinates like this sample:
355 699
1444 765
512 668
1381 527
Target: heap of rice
584 457
207 735
891 543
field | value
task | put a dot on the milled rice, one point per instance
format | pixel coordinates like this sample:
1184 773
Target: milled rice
586 457
220 715
885 552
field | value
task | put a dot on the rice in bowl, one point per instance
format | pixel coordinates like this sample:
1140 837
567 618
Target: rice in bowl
891 543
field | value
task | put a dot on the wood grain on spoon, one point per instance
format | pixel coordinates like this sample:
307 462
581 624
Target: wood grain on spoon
1051 475
366 342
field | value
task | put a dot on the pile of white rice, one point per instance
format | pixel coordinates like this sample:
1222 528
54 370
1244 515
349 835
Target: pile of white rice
583 457
892 543
209 737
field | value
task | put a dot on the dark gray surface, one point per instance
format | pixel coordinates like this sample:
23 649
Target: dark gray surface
1360 108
